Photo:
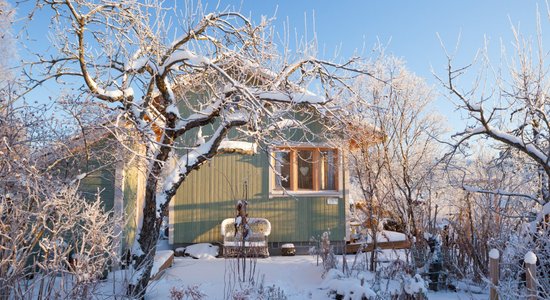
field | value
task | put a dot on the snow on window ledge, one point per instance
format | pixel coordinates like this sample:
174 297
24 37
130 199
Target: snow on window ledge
305 193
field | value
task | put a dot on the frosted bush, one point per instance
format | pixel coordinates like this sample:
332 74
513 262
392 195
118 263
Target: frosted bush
188 293
60 244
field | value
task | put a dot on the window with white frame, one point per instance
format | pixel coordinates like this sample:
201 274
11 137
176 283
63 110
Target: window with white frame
305 169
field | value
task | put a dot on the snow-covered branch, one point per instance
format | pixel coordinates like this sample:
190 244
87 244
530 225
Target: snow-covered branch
499 192
200 118
291 97
223 73
194 157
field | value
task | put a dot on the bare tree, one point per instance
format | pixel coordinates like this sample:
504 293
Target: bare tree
182 87
475 220
508 105
53 241
393 166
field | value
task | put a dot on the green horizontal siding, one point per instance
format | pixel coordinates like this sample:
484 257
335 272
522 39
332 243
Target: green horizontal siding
301 218
102 182
208 196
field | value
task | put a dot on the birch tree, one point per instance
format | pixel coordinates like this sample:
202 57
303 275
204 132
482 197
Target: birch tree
182 81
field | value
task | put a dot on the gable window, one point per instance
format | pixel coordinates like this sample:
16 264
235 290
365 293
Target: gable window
305 169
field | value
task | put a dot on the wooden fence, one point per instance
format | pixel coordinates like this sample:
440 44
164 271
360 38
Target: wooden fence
354 247
530 261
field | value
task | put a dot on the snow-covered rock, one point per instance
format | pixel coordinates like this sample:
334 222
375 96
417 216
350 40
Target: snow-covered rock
202 251
179 251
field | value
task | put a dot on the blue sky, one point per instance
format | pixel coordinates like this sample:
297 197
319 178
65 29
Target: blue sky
408 28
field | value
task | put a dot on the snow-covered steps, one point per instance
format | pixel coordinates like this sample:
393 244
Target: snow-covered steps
163 261
385 240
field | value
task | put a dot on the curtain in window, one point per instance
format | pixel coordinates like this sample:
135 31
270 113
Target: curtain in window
305 169
328 170
282 166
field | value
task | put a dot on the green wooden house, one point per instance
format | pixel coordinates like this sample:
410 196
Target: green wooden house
299 187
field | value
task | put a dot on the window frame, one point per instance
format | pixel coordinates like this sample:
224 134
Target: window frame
294 172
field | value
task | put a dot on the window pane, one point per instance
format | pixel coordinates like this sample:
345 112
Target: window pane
305 169
328 170
282 167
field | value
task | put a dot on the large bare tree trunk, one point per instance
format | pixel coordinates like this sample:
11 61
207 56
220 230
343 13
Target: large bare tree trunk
148 238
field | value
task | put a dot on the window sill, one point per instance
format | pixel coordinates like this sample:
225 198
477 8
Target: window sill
276 194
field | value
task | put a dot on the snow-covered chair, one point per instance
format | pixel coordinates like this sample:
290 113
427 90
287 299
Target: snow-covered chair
255 244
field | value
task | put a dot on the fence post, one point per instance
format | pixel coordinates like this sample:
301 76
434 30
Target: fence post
531 275
494 272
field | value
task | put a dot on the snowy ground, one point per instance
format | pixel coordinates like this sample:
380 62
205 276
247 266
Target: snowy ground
298 276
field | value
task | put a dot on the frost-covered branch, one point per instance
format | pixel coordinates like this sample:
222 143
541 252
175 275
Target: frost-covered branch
499 192
174 100
193 159
519 121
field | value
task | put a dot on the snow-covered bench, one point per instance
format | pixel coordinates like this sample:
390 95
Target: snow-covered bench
255 244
